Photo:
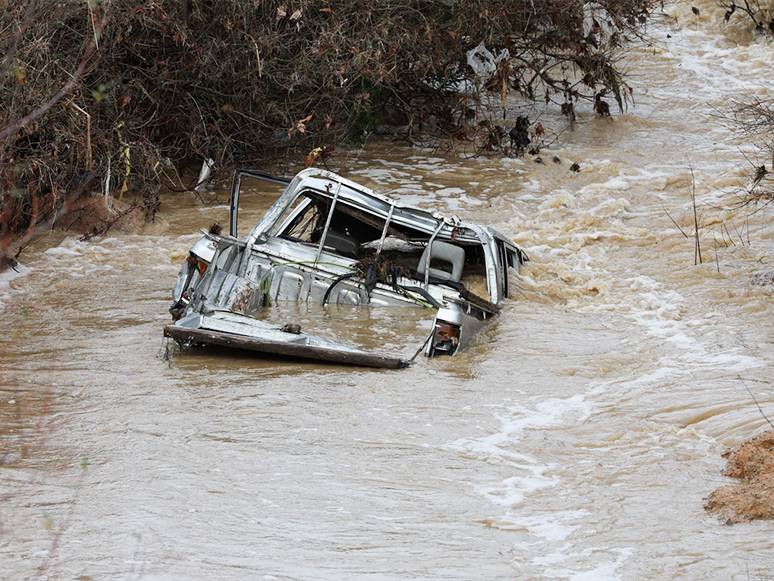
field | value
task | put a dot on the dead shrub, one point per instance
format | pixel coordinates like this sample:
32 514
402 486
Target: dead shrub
106 96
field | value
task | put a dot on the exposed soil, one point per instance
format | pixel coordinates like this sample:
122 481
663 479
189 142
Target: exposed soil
752 462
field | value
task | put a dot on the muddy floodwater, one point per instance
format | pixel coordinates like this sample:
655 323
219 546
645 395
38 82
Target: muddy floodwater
575 439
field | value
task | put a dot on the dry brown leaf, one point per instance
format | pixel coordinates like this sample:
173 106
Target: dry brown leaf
312 156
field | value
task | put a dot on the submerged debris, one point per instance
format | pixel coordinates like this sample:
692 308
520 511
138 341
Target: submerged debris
519 134
762 279
7 262
291 328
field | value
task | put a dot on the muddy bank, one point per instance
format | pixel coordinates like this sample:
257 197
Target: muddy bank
98 214
86 218
752 462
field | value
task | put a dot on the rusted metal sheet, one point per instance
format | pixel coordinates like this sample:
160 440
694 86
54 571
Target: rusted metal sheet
228 329
361 358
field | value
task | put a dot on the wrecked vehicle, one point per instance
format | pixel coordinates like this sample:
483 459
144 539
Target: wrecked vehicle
329 240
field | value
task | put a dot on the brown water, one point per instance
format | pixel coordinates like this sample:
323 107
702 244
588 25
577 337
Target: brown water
575 439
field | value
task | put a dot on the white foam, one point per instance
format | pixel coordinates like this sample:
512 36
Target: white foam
501 448
10 275
444 192
692 353
69 247
552 529
604 571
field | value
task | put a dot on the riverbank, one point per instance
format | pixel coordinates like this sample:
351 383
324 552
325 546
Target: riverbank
87 217
752 462
98 214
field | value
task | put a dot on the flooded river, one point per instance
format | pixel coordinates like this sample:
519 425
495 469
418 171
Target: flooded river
575 439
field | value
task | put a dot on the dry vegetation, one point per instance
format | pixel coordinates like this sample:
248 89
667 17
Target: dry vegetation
104 95
759 13
754 118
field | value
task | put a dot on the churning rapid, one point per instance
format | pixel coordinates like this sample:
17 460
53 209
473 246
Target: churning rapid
575 438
